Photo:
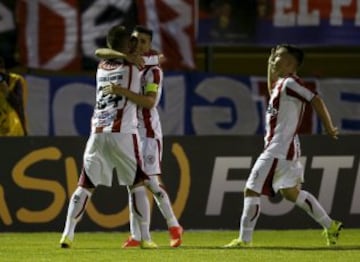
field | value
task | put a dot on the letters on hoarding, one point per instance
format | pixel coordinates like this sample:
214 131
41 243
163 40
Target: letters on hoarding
63 105
204 175
267 23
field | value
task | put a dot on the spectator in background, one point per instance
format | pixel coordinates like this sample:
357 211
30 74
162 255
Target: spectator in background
13 95
234 20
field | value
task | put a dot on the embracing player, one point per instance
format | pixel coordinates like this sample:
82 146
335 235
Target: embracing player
150 133
114 141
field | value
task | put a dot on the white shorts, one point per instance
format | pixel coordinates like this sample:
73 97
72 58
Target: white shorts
105 152
152 155
269 175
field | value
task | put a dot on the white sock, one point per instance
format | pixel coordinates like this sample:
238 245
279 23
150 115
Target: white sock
163 202
141 211
309 203
134 223
76 210
250 215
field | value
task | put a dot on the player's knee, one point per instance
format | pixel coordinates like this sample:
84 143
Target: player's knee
290 194
137 184
151 185
250 193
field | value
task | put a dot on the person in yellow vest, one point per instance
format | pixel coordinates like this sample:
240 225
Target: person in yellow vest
13 95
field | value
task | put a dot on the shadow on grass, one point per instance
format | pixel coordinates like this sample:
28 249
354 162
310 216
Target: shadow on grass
335 248
279 248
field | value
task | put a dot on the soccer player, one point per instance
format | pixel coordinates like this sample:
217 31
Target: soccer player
278 167
151 137
114 141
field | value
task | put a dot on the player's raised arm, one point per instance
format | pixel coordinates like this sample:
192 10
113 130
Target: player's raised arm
322 111
108 53
271 76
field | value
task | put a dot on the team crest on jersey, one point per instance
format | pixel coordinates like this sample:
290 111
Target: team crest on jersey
150 159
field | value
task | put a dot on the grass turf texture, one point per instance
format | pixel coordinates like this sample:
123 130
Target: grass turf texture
269 245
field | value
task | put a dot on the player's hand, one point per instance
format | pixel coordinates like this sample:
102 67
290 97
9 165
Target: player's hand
136 60
333 132
271 57
109 89
112 89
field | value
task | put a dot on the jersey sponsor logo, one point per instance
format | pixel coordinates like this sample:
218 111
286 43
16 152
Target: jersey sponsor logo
105 101
109 65
104 118
112 78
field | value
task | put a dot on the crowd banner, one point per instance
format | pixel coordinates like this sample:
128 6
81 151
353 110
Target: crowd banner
49 34
63 35
192 104
204 176
269 22
173 23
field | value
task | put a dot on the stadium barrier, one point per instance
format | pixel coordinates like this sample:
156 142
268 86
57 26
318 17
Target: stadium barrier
63 105
204 175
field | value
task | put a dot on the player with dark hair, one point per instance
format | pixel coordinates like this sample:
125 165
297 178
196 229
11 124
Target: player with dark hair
278 168
114 141
151 137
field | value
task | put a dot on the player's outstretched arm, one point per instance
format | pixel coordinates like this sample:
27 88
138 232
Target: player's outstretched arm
107 53
322 111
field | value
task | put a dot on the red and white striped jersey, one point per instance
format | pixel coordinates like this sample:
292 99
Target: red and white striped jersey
149 119
115 113
283 117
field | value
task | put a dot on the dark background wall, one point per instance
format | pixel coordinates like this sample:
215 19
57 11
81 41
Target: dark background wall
319 61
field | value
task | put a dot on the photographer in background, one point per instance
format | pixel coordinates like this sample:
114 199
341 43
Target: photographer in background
13 94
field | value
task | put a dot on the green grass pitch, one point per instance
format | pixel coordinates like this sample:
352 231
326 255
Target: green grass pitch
269 245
